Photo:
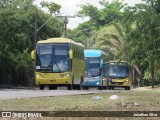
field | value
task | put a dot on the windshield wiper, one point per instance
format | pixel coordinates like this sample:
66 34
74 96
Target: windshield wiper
57 66
91 73
96 75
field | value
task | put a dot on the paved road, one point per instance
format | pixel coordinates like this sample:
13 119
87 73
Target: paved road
24 93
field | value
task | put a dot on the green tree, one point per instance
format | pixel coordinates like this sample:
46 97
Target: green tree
17 19
114 29
113 39
131 33
85 33
52 7
100 17
146 37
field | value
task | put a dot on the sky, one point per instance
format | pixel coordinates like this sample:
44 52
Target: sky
71 7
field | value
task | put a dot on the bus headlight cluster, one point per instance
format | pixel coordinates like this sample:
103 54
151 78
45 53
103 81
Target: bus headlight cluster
126 80
97 83
104 79
65 75
39 75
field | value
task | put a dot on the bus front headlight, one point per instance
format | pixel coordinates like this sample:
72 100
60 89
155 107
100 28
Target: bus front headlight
126 80
65 75
39 75
97 83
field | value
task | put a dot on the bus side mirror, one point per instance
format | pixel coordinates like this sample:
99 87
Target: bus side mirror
70 54
101 63
33 55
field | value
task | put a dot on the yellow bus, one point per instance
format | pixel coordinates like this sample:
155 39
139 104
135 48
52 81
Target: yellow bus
59 62
118 74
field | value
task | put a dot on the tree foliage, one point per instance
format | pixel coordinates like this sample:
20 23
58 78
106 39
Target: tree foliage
130 33
100 17
17 19
146 37
52 7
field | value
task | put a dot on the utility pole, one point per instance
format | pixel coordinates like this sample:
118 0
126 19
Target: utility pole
65 23
35 30
65 26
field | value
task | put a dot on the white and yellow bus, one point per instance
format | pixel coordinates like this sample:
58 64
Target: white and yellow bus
59 62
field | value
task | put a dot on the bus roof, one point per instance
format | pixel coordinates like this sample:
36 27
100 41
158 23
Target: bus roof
93 53
59 40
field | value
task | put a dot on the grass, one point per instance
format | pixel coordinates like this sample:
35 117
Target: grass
148 100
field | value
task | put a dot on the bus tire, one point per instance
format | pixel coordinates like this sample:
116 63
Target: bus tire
100 88
112 88
127 88
41 87
75 87
85 88
69 87
108 87
105 87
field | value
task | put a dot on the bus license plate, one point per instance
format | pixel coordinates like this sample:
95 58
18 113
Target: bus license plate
52 80
116 83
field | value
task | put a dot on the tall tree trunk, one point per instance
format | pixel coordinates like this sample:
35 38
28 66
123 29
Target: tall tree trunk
152 74
134 80
136 75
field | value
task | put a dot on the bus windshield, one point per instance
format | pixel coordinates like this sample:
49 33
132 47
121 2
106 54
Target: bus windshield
92 67
105 70
118 71
52 58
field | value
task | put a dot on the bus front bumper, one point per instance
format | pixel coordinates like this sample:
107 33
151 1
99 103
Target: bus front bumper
92 82
48 79
118 82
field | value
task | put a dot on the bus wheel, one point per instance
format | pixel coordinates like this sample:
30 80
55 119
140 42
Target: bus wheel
112 88
79 87
41 87
75 87
104 87
108 87
100 88
52 87
127 88
69 87
85 88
